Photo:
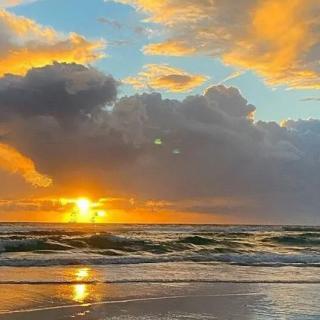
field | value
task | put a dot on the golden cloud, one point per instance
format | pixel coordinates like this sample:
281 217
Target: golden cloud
165 77
282 44
13 161
169 48
170 12
13 3
26 44
279 40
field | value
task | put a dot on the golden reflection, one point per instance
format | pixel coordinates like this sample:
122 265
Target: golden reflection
82 274
80 292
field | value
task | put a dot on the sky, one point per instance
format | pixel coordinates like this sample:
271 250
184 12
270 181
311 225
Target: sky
173 111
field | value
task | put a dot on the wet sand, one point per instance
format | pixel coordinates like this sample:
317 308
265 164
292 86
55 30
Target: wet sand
160 301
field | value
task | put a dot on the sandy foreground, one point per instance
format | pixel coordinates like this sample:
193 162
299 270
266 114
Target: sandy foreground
160 301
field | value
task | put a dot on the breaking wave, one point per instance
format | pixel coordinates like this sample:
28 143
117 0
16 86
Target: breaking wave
265 260
43 245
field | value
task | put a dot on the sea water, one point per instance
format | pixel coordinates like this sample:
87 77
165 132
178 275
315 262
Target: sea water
268 272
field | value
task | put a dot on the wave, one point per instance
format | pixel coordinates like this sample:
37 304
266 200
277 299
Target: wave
115 245
198 240
26 245
301 228
304 239
262 259
94 242
121 243
249 246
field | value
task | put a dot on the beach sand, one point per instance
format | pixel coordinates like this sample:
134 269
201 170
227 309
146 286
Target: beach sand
160 301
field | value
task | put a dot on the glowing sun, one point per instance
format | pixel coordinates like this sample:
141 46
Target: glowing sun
87 210
84 206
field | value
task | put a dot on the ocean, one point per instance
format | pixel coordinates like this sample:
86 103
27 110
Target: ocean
65 264
204 247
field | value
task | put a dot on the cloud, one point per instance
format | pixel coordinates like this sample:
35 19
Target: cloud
279 40
14 3
55 99
13 161
119 43
212 159
165 77
169 48
232 76
110 22
30 205
25 44
65 91
310 99
145 31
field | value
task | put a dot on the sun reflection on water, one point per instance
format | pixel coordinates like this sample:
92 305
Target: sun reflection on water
80 291
82 274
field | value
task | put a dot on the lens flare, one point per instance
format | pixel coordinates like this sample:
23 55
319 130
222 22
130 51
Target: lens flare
101 213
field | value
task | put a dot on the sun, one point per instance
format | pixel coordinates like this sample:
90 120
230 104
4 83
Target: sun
83 205
84 210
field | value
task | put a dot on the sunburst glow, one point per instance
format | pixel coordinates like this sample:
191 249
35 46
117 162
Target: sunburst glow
84 205
84 210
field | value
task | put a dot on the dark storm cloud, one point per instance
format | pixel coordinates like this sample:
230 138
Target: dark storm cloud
64 91
193 151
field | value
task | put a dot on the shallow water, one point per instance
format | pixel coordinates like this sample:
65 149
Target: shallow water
161 301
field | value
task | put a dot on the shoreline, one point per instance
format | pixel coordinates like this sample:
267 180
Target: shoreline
160 301
111 302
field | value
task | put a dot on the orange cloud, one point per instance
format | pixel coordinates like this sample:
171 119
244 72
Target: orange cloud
26 44
164 77
279 40
169 48
278 45
170 12
13 161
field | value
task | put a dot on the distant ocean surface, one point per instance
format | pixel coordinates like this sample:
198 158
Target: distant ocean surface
124 253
